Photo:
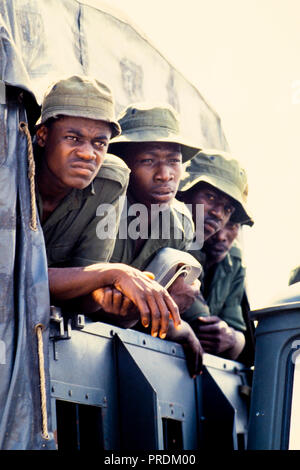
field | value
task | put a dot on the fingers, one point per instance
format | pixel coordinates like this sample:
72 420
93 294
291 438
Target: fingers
198 361
208 346
196 287
148 274
153 301
210 319
108 298
173 310
211 325
196 284
126 306
98 296
117 300
203 330
112 301
159 324
164 314
156 313
194 358
144 311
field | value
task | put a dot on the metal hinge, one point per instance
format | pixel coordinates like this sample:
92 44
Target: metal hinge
62 328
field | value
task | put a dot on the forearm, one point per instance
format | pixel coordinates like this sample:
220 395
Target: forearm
68 283
154 303
191 345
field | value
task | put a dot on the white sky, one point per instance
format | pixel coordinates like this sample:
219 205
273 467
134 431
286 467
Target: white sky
243 56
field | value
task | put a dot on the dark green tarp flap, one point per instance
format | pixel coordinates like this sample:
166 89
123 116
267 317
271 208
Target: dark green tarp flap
43 40
24 298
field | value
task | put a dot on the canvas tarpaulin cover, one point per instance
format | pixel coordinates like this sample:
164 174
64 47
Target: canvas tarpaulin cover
41 41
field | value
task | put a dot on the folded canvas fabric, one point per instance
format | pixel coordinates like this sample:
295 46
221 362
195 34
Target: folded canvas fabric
170 263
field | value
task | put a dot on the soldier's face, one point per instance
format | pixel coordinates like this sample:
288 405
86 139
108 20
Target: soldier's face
218 207
74 150
156 169
219 244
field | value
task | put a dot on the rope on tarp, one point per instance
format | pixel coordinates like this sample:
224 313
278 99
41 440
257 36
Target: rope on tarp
39 328
31 175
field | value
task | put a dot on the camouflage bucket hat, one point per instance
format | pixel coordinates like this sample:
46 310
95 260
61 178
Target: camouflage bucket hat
145 122
221 171
80 96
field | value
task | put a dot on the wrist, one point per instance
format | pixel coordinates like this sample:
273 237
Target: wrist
108 272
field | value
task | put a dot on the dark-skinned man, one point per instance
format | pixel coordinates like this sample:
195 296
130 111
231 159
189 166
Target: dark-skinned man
75 176
154 150
217 181
224 291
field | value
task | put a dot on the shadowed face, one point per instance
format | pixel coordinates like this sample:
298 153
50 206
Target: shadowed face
218 207
219 244
74 150
156 169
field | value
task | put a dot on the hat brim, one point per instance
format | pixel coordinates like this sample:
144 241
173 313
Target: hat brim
241 214
153 135
83 113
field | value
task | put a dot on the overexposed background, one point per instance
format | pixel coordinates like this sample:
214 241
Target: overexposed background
244 57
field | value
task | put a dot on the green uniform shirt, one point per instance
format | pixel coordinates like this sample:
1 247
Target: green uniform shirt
70 231
181 223
225 292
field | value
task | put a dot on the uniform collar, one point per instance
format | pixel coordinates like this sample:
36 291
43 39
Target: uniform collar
71 201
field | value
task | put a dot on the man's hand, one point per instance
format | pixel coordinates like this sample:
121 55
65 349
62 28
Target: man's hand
112 301
218 338
155 304
123 312
191 345
153 301
184 294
